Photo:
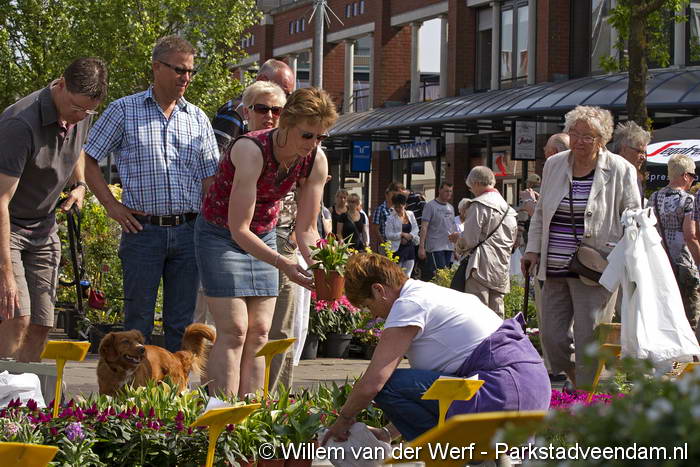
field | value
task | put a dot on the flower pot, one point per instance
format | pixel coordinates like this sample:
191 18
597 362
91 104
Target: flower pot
369 351
298 463
337 345
310 350
271 462
329 285
97 331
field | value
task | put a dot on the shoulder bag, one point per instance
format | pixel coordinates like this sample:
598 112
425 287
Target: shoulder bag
586 261
459 280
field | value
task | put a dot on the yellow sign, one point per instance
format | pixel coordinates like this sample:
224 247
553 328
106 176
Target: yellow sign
61 351
26 455
448 390
464 439
217 419
269 351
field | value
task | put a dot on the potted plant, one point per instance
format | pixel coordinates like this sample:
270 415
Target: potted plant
368 333
330 256
339 319
102 322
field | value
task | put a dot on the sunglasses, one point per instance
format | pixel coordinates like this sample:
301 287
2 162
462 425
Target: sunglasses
180 71
309 135
263 109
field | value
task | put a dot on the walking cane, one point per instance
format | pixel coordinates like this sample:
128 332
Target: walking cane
527 293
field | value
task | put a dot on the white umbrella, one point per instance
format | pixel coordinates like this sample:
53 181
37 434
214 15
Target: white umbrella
660 153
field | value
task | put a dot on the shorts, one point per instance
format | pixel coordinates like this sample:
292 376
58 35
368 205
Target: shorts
35 264
226 270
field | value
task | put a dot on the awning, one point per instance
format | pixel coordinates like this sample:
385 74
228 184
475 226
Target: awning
689 129
677 91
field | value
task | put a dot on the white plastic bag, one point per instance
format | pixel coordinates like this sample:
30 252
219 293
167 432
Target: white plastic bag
360 442
25 386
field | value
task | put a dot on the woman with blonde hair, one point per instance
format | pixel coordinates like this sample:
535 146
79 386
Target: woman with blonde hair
236 239
584 192
401 230
444 333
352 224
673 207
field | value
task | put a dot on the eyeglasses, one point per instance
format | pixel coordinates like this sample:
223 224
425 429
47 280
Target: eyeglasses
263 109
80 109
180 71
309 135
692 175
77 108
585 138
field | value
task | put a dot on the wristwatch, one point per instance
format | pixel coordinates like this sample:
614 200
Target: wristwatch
83 184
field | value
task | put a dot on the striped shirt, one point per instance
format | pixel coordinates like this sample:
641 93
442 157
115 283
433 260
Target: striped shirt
228 124
562 241
161 161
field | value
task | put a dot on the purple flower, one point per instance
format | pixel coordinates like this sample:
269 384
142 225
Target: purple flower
53 430
74 431
139 425
10 429
112 411
151 413
180 416
229 427
31 405
14 403
179 426
141 414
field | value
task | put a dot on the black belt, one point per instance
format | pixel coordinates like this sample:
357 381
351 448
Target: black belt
167 221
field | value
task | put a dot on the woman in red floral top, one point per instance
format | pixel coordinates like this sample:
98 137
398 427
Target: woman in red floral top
235 237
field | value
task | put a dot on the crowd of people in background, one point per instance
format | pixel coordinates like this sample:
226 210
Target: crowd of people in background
223 214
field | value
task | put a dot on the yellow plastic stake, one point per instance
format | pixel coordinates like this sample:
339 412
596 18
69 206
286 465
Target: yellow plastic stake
269 351
447 390
689 368
217 419
472 433
26 455
61 351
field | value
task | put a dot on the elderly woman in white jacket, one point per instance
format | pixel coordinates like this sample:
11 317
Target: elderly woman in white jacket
401 230
490 230
584 192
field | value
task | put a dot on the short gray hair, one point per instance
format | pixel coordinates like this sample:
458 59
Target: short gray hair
463 204
272 66
600 120
680 164
260 88
631 135
559 142
481 175
169 44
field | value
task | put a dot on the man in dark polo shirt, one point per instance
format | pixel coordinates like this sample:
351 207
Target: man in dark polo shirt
228 122
41 138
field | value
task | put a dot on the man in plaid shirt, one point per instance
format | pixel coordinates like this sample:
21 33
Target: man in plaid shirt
381 213
166 155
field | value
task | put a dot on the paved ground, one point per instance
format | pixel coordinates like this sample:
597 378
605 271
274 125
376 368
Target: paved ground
81 377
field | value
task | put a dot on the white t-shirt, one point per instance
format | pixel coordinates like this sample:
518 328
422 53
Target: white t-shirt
452 324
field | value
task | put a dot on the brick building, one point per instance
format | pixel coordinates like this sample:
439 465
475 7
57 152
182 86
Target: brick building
507 67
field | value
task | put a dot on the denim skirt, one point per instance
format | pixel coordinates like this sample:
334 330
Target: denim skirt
227 270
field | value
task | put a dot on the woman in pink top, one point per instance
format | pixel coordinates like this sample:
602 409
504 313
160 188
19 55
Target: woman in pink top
235 236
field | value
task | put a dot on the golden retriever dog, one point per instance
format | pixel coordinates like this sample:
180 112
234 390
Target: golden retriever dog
125 360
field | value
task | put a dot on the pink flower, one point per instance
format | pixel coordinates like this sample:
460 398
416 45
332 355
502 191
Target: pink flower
322 243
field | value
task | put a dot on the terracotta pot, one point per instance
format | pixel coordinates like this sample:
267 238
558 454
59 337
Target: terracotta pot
329 285
271 462
298 463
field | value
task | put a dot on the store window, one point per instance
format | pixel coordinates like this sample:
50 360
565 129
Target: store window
693 33
601 34
514 42
484 43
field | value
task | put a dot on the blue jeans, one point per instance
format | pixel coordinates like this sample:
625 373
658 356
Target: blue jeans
435 260
155 253
400 399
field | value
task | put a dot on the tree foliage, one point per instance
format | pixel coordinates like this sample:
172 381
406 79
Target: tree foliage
38 38
643 32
